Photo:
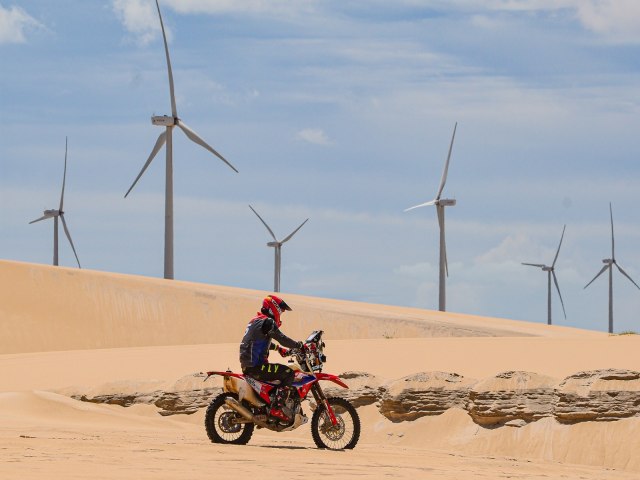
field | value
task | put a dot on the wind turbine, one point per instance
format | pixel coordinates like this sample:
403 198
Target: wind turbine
551 273
167 137
440 204
277 245
59 213
608 264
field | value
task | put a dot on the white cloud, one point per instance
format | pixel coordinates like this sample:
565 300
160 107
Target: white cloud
616 20
271 7
314 135
139 18
14 21
513 248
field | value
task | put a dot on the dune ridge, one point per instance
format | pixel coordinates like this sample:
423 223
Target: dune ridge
45 308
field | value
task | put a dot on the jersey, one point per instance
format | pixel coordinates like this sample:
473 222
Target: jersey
255 345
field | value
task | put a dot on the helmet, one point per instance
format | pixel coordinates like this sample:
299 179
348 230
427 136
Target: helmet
273 306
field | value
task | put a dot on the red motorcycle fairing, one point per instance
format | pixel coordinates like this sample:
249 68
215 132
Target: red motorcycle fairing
331 378
262 388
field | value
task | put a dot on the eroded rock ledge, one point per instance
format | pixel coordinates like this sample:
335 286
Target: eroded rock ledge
512 398
185 396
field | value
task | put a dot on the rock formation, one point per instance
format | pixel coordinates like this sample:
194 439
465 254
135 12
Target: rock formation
598 395
512 398
426 393
187 395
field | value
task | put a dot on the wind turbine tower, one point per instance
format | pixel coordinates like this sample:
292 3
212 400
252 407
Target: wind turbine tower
608 265
59 214
277 245
440 204
551 273
169 122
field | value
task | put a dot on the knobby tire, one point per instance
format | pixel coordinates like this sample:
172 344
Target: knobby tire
211 422
319 414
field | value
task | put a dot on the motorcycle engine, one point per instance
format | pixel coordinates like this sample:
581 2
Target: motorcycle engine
291 408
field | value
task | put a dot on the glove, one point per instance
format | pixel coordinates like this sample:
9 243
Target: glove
283 351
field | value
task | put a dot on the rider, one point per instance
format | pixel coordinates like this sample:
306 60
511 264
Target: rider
255 346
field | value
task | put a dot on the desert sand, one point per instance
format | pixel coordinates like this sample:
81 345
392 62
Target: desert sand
68 330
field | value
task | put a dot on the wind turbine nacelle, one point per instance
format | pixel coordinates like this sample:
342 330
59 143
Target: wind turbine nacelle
272 244
607 261
447 202
51 213
163 121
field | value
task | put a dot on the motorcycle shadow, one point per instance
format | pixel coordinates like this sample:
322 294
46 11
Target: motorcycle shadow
287 447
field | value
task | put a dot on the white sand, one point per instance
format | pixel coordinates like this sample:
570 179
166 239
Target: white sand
63 327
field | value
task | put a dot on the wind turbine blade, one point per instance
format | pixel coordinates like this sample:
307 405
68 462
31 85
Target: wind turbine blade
599 273
555 280
443 180
626 275
66 231
193 136
539 265
64 176
613 242
159 143
432 202
294 232
264 223
446 261
174 111
559 245
44 217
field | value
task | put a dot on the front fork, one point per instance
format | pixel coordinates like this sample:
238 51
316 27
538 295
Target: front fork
321 399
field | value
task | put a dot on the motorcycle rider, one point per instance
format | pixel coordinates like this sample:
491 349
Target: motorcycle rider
255 347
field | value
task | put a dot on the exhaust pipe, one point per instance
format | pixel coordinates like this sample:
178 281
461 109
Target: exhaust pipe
235 405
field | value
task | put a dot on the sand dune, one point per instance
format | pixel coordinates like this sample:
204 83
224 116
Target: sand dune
68 330
47 308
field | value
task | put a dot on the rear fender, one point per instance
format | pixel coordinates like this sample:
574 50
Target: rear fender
331 378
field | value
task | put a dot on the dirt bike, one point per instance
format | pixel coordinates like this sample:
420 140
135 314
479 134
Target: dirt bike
245 404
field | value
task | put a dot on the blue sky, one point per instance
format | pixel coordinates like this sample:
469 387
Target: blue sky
341 112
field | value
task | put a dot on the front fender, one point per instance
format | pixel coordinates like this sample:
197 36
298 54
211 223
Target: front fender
331 378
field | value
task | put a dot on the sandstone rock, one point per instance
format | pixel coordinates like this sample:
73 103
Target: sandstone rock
598 395
512 396
426 393
185 396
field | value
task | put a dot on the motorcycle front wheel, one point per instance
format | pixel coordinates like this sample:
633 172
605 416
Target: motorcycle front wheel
343 435
220 422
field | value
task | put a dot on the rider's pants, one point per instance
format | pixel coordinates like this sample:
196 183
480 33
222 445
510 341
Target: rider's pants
272 373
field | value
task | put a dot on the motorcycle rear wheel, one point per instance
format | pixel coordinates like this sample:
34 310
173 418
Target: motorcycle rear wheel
219 425
342 436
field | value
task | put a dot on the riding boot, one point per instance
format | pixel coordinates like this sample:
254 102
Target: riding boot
278 403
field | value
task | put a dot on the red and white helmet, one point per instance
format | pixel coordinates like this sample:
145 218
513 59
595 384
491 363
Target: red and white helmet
273 306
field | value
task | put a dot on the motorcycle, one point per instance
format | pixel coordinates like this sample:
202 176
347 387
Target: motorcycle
245 404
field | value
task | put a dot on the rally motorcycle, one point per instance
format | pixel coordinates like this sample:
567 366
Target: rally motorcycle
245 403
